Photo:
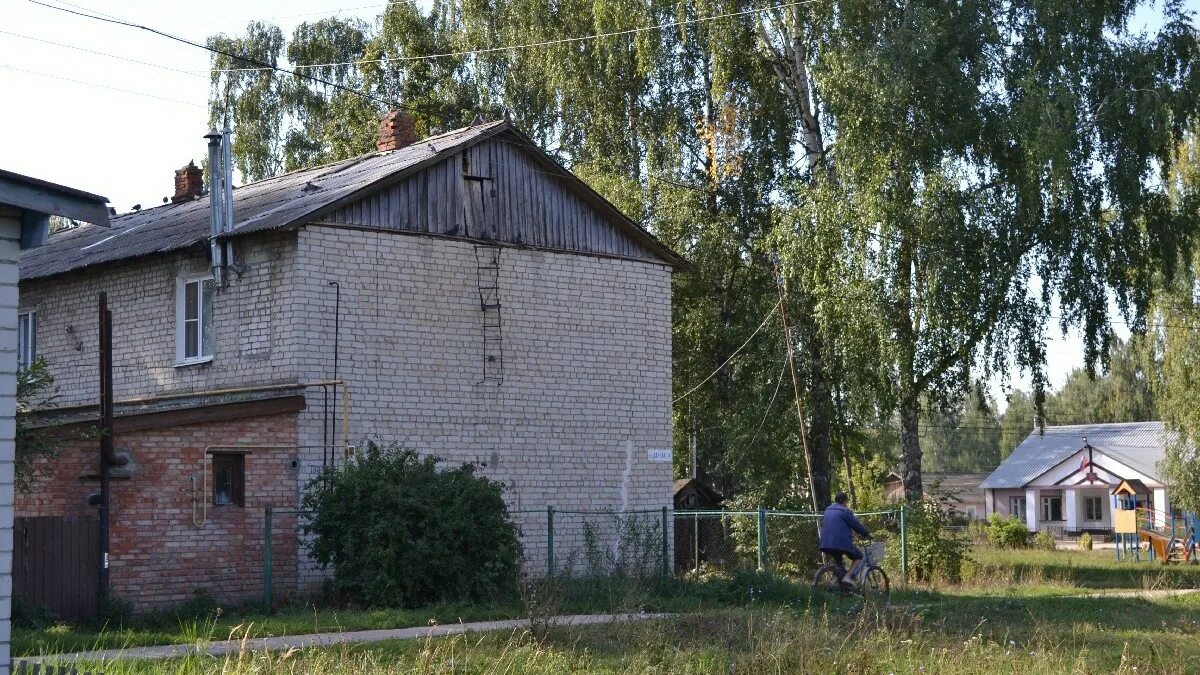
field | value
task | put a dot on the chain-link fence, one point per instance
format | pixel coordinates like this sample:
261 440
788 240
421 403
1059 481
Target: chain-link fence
782 541
646 543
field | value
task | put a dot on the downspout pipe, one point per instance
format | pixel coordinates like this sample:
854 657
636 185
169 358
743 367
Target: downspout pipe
216 167
227 194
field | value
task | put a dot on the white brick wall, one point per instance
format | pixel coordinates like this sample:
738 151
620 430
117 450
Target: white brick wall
587 365
587 356
10 251
253 346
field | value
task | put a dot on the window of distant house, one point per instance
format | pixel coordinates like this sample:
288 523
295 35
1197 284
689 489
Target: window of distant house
26 338
971 512
193 318
1052 509
1092 508
1016 507
229 479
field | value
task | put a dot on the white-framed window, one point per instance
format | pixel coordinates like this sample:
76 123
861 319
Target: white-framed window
26 338
193 320
1093 508
972 513
1016 507
1052 509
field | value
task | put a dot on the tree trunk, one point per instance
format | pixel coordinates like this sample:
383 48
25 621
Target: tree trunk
910 446
820 416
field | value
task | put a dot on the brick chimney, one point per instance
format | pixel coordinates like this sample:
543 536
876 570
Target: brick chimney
396 130
189 183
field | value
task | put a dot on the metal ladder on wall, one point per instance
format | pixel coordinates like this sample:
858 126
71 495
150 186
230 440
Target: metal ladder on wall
487 259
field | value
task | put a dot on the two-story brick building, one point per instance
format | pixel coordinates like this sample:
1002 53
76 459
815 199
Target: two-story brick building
478 301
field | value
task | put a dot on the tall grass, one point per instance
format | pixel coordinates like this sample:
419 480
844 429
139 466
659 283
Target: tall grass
741 641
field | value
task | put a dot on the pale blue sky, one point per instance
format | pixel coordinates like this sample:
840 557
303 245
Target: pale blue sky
126 146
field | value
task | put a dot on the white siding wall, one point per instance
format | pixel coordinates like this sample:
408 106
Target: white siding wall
10 252
587 366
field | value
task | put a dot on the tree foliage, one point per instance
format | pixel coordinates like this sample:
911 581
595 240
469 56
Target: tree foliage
35 444
936 176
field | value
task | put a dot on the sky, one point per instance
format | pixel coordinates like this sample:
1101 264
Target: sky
120 129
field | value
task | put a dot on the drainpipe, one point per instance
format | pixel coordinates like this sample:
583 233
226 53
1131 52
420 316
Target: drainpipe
216 209
227 194
337 313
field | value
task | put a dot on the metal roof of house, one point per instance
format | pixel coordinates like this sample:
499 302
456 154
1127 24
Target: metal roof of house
42 196
275 203
1139 445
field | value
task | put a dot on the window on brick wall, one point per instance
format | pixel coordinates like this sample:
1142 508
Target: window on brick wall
26 338
193 319
229 479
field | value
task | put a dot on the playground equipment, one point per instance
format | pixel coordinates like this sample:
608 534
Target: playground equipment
1137 526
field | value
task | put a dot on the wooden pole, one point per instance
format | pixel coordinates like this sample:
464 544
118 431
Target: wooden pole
787 338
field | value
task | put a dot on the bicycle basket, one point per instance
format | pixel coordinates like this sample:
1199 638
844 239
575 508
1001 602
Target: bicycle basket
874 553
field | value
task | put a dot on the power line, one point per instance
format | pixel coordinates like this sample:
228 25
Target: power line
193 73
102 86
549 43
726 362
261 65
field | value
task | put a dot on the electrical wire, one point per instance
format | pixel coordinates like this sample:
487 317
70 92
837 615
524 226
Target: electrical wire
260 65
549 43
735 353
193 73
102 86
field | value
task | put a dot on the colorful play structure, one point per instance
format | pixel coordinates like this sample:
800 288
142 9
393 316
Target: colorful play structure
1138 527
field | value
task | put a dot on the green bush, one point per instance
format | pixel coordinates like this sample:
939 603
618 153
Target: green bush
1007 532
1044 541
1085 542
397 530
933 552
793 544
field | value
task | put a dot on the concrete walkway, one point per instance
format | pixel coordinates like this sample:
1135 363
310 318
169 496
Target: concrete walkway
283 642
1159 593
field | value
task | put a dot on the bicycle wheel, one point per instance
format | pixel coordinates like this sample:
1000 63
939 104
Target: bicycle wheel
875 586
827 583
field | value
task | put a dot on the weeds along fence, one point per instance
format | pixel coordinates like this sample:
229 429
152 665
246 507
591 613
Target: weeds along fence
565 543
787 542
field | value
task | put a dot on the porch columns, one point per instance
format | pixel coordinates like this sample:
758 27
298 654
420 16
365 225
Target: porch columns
1161 508
1071 506
1031 509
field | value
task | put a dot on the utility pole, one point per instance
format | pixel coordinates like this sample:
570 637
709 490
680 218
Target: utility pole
108 457
787 338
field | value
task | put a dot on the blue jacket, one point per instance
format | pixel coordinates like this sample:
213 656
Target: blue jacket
837 527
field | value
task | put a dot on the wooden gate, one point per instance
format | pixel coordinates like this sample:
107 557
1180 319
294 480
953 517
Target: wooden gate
55 565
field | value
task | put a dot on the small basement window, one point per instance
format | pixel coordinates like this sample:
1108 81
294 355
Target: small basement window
229 479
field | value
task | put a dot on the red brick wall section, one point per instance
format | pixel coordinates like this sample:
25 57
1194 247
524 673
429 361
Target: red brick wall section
159 556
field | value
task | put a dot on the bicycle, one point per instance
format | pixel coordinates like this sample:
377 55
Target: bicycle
870 581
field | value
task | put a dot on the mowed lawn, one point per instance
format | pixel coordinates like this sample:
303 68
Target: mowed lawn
1008 617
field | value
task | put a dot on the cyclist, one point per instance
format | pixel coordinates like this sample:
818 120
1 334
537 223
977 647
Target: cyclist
837 535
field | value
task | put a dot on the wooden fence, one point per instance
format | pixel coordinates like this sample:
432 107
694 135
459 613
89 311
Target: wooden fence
55 565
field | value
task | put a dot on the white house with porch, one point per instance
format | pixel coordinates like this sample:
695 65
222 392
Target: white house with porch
1061 480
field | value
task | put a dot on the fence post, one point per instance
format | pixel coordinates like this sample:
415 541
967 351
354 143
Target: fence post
696 543
666 567
549 542
904 544
267 527
762 538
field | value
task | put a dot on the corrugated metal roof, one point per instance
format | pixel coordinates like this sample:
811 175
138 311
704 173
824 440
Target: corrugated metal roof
267 204
1140 445
291 199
